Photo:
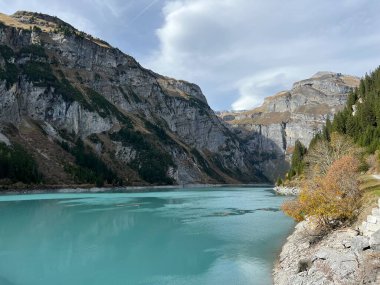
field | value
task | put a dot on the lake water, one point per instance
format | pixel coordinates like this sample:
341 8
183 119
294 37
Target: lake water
192 237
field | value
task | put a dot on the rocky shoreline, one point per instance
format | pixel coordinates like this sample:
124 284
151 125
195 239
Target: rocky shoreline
346 256
287 191
50 189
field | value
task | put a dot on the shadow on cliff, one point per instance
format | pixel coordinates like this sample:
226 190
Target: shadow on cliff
264 153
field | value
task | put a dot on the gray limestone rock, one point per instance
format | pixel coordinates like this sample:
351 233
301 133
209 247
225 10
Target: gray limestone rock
374 241
338 258
203 149
359 243
292 115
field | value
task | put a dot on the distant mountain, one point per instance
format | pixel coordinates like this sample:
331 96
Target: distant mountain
75 110
273 128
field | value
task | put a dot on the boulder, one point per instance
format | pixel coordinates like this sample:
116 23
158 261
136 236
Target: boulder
372 219
359 243
374 241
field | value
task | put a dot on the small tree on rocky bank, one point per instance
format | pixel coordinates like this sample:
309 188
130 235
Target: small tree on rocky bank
297 163
332 199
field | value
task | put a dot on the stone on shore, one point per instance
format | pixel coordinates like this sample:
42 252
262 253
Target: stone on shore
287 191
374 241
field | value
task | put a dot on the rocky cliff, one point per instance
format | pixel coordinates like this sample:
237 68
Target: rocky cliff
273 128
65 94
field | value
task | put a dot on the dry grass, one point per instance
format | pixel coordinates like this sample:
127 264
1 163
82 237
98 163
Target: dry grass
45 26
263 108
371 193
278 95
264 119
370 185
99 43
318 109
167 84
12 22
351 81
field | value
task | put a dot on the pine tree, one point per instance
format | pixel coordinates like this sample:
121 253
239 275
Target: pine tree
297 164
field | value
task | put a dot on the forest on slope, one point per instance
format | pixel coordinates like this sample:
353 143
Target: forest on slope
330 171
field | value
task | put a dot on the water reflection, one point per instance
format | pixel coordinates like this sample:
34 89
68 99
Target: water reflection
155 238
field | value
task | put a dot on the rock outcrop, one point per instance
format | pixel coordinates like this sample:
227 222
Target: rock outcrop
58 85
345 256
287 191
371 228
289 116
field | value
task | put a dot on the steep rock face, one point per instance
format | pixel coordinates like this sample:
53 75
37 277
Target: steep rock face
65 85
293 115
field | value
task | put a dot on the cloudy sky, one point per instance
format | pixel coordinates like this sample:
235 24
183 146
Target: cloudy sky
238 51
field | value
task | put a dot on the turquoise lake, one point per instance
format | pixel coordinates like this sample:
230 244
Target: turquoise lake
191 236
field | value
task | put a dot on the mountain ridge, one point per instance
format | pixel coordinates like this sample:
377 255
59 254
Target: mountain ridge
65 95
291 115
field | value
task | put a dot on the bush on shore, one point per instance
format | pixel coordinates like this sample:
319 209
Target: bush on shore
330 200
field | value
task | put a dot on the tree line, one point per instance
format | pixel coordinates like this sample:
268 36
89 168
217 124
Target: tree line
330 167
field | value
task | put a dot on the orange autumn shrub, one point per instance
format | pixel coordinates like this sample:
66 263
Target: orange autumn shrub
294 209
332 199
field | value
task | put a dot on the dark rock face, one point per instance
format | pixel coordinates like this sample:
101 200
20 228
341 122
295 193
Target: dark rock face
67 85
292 115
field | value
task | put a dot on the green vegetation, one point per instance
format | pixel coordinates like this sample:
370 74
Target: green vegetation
297 163
95 139
10 71
203 108
89 168
6 52
78 77
151 163
361 117
332 199
64 29
159 132
205 165
97 77
17 165
70 93
130 93
106 108
217 160
34 51
333 193
9 74
324 135
41 74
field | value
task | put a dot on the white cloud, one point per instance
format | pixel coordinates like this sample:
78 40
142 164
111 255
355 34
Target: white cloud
253 89
241 51
238 51
71 13
129 25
